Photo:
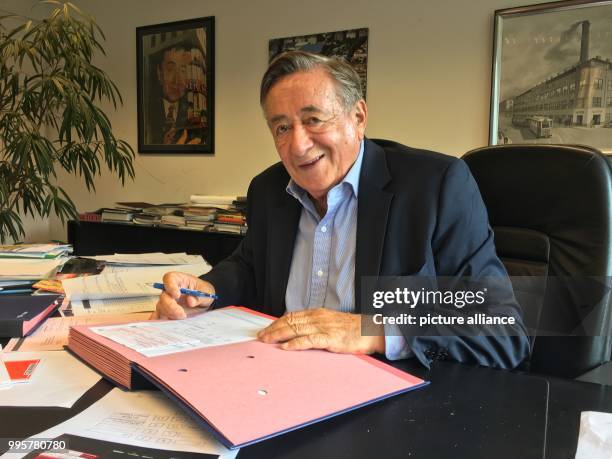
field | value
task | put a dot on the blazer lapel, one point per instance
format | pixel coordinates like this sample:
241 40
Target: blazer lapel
283 225
373 205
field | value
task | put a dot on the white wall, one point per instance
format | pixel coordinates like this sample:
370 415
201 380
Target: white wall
429 70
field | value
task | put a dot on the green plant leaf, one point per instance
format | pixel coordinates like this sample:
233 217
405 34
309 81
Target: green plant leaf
48 84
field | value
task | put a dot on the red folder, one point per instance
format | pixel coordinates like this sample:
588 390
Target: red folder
247 392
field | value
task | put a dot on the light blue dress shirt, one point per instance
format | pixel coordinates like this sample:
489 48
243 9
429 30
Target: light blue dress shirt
323 265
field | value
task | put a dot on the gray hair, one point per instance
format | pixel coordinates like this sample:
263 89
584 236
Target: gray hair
346 79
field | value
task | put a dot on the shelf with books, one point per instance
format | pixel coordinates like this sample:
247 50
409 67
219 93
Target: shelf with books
100 238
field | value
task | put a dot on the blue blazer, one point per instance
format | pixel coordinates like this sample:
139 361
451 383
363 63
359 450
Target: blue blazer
419 212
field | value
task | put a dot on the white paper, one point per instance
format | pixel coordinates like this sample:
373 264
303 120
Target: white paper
4 376
111 306
212 200
143 418
595 438
133 283
59 380
223 326
26 268
160 270
156 258
52 335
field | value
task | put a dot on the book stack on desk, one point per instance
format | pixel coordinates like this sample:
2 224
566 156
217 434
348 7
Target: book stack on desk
31 262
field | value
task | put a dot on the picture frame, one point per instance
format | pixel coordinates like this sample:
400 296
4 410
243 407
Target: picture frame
175 87
552 74
352 45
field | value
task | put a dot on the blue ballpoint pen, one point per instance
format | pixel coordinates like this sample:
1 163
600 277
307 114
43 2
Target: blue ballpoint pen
186 291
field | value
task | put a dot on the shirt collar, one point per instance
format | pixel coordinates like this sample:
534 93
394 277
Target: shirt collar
351 179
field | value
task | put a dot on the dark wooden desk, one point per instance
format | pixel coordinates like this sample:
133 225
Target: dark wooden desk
96 238
464 413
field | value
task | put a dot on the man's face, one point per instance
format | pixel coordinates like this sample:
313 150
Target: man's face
172 73
316 139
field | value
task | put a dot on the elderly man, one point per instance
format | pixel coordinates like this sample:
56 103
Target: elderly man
341 207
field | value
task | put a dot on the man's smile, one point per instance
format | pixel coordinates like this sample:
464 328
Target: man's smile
312 162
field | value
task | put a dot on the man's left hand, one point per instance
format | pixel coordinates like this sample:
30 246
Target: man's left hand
322 329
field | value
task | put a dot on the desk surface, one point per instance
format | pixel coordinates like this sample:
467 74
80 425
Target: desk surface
464 412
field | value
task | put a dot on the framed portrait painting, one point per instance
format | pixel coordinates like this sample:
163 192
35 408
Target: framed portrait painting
552 74
175 71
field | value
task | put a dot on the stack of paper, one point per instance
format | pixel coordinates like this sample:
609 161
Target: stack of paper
122 290
35 250
212 201
130 284
141 424
148 259
29 268
44 379
244 390
52 335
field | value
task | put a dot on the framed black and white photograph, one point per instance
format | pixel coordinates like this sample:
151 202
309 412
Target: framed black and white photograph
352 45
175 71
552 74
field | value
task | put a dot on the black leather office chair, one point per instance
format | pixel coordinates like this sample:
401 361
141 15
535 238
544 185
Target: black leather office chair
550 208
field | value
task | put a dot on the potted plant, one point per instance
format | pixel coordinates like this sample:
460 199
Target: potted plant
50 118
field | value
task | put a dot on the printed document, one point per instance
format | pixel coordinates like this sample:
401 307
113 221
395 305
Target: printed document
156 258
110 306
26 269
223 326
145 418
133 283
52 335
60 380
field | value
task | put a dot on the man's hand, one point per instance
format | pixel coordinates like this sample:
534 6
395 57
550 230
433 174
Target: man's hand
171 300
322 329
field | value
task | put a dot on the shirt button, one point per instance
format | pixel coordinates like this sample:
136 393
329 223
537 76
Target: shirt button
319 273
324 229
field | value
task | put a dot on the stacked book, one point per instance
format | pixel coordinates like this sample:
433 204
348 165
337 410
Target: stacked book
118 215
200 218
35 250
177 221
147 218
218 202
31 262
230 221
20 266
91 216
225 214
